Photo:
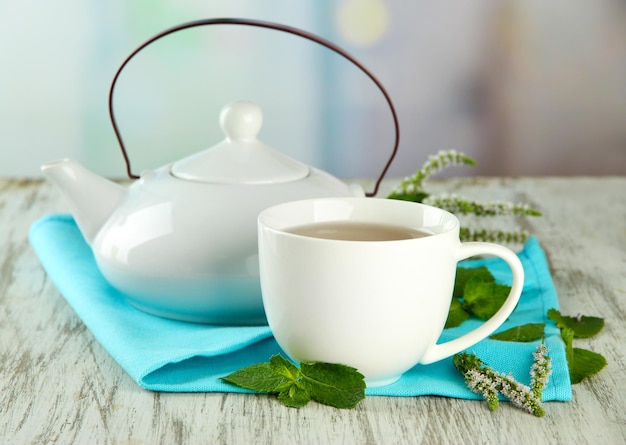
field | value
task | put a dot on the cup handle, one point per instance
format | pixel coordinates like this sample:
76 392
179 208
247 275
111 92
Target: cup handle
451 347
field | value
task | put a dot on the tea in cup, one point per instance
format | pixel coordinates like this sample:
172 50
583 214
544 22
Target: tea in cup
368 282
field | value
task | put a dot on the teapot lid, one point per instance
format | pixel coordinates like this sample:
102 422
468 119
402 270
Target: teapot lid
240 158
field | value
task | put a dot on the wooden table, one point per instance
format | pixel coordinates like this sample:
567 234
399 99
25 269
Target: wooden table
58 385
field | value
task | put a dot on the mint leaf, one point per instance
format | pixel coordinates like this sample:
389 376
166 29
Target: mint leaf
583 327
586 363
479 292
484 298
523 333
260 378
331 384
283 367
336 385
457 314
295 396
463 274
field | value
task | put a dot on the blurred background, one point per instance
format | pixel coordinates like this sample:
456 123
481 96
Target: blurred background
526 87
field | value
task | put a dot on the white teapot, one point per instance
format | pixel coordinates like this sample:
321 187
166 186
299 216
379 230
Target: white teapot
181 241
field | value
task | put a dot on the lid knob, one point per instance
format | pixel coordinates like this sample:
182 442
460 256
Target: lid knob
241 120
240 158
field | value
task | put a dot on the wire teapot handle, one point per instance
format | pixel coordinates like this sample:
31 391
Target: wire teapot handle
258 24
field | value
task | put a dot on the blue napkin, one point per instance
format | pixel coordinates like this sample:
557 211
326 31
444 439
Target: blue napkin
166 355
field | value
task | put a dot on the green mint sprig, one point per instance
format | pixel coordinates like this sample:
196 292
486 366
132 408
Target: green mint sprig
457 205
331 384
475 293
412 189
493 236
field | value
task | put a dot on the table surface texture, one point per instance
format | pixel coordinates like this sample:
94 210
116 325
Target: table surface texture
59 386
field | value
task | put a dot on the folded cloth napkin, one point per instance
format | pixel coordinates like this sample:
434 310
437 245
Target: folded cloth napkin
166 355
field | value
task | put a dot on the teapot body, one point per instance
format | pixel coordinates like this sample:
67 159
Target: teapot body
188 250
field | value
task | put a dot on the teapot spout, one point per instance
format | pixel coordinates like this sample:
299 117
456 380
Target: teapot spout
91 198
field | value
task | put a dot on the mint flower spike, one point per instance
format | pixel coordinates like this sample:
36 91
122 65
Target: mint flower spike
462 206
540 370
458 205
435 163
483 380
493 236
481 383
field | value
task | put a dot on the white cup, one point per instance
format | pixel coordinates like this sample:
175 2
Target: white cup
379 306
